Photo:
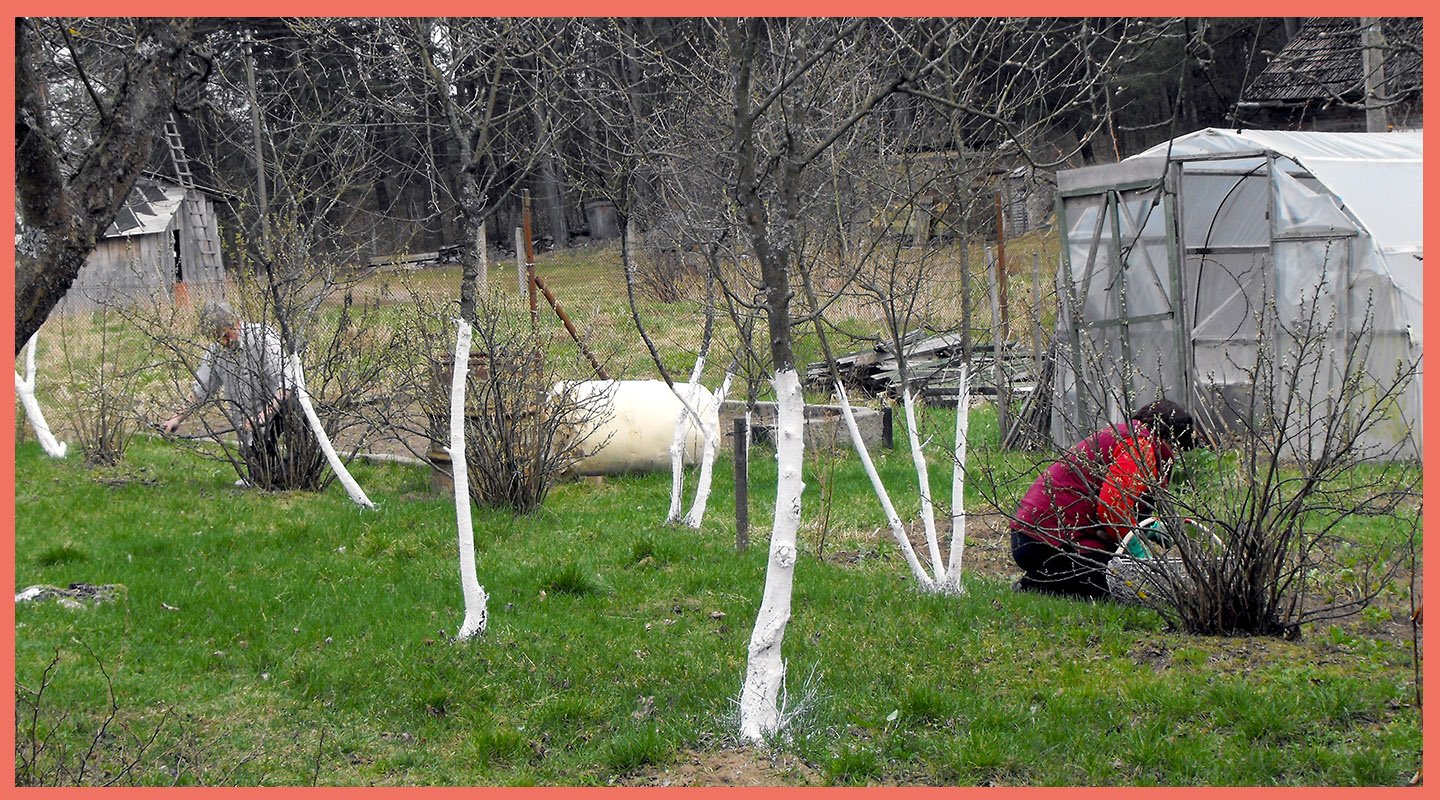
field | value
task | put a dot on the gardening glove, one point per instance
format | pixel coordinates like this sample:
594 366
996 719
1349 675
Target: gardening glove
1156 533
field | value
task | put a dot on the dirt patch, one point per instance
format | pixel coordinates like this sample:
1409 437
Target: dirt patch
733 767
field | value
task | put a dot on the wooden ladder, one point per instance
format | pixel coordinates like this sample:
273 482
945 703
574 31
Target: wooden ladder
194 203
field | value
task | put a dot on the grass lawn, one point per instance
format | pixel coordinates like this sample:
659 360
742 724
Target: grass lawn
294 639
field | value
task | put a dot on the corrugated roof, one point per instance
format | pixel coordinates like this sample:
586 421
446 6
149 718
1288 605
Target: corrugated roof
1323 63
148 209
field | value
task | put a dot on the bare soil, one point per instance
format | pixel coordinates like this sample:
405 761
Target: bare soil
728 767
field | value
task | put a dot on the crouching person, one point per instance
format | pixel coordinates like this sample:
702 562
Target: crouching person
244 369
1073 517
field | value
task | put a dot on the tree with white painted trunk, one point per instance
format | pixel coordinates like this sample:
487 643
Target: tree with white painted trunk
780 127
476 613
25 390
302 395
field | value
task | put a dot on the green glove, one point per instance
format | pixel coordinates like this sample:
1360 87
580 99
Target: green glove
1156 533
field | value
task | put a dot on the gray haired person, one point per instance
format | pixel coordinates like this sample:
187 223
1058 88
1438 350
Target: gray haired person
244 369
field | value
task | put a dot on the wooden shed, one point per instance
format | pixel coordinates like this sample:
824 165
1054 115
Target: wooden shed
164 240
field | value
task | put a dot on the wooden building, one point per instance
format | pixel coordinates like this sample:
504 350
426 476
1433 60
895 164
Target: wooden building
164 241
1318 82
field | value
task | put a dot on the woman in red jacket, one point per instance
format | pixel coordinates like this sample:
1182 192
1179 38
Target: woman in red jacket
1073 517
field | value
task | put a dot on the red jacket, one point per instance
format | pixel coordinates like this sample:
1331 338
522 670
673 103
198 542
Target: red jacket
1089 496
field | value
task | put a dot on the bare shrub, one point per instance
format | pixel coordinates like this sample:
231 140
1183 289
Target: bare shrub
523 426
103 365
104 751
1309 495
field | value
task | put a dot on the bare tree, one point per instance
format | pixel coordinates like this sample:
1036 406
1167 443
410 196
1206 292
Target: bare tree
66 206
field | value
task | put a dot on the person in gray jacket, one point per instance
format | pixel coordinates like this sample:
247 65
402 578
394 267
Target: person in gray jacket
245 370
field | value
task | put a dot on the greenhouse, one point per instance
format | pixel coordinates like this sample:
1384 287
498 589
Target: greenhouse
1266 279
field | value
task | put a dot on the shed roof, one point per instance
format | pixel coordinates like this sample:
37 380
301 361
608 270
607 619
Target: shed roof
1322 63
149 208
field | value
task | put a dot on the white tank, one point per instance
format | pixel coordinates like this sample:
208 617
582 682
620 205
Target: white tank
636 424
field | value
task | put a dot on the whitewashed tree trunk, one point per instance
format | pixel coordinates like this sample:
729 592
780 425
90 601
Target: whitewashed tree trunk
922 479
25 390
760 714
952 584
475 597
297 377
897 528
707 459
677 442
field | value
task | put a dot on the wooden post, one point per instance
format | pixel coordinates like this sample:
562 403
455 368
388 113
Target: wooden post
742 485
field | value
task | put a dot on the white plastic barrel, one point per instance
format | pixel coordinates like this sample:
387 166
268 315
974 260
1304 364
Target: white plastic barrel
636 424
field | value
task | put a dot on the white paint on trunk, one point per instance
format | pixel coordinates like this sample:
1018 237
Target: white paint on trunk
952 584
297 376
897 528
922 480
707 457
474 593
25 390
677 442
760 715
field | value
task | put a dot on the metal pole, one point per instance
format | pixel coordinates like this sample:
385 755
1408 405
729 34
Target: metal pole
529 260
570 328
742 485
1002 394
887 427
519 261
1035 313
1000 270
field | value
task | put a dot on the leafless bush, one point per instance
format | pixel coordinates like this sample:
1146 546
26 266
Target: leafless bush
103 366
109 752
668 270
523 428
1311 458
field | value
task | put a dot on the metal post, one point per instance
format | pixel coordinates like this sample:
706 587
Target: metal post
529 260
742 485
887 427
1002 393
1035 314
519 261
1000 269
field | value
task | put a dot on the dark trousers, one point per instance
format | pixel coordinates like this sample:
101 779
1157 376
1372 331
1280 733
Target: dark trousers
1068 570
264 451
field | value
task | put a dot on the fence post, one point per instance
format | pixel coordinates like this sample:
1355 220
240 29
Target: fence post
966 350
1002 392
519 260
1035 339
742 485
887 427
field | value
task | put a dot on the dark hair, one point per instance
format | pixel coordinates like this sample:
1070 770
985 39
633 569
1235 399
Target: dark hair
1171 422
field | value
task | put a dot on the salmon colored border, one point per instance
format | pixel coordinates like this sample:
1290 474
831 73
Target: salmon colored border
652 8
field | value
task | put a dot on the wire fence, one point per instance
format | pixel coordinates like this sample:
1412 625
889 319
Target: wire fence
130 357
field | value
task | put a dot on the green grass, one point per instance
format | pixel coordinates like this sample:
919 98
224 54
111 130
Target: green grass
295 639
